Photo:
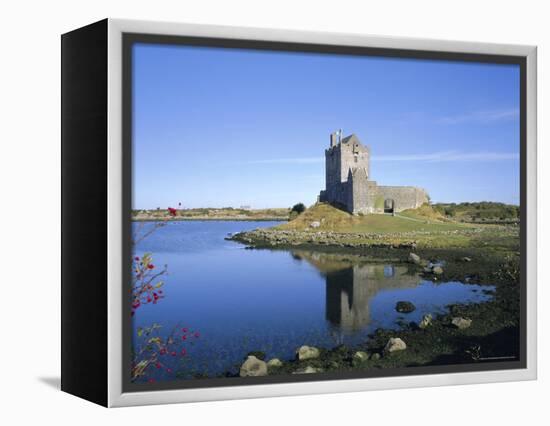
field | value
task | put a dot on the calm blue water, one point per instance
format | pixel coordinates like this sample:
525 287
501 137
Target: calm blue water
274 301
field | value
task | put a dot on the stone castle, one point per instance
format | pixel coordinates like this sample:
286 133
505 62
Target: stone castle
348 184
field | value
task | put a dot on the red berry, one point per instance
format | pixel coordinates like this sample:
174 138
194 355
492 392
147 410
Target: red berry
151 266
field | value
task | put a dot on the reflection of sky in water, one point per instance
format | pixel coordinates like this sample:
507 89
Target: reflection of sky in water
274 301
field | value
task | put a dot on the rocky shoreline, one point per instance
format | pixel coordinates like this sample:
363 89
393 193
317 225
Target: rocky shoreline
268 238
461 336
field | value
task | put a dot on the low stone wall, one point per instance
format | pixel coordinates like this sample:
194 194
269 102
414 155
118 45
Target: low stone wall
404 197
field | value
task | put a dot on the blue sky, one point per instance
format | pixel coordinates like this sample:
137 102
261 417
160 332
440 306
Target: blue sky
220 127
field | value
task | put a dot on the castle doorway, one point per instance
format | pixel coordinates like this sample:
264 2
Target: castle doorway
389 205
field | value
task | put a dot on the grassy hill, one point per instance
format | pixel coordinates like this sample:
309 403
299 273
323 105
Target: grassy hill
332 219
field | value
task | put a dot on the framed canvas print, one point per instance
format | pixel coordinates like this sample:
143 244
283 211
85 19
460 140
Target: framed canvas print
251 212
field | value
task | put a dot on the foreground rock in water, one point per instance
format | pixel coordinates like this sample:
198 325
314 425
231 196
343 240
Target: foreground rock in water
414 258
395 344
461 323
307 352
253 367
308 370
404 307
426 321
438 270
275 362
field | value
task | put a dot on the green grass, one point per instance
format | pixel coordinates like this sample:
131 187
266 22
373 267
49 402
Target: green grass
389 224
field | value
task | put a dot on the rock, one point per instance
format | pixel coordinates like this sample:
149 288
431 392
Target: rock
395 344
307 352
253 367
274 363
375 356
404 307
461 323
308 370
426 321
438 270
466 259
360 356
315 224
414 258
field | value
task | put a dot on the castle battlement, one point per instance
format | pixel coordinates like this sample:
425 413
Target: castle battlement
348 184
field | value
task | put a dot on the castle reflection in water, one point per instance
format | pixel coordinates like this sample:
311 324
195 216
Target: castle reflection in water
351 285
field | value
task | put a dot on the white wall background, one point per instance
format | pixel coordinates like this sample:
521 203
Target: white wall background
30 199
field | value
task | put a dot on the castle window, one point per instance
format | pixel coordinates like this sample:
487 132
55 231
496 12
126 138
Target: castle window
355 158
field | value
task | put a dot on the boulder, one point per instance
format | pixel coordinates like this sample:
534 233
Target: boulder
426 321
315 224
461 323
274 363
438 270
308 370
395 344
414 258
307 352
253 367
466 259
404 307
360 356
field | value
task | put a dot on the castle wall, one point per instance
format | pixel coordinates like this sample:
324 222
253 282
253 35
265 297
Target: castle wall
332 169
358 192
373 205
404 197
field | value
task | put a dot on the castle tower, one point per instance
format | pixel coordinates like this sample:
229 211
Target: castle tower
343 156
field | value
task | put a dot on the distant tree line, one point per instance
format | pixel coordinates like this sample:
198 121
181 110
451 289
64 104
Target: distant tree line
479 211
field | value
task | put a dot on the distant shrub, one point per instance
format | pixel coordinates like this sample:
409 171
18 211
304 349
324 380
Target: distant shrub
298 208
